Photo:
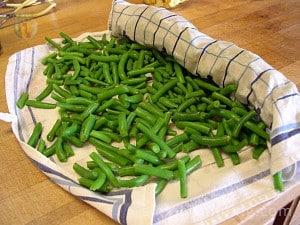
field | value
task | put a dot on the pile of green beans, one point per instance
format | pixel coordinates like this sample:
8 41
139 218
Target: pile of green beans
116 92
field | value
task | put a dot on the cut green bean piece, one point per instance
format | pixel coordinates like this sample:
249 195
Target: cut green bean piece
182 178
100 180
83 172
161 184
105 168
258 150
39 104
153 171
35 135
278 182
134 182
22 100
156 139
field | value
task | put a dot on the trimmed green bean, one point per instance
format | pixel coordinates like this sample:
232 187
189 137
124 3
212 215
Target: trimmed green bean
100 180
258 150
156 139
35 135
22 100
182 178
278 182
211 141
39 104
153 171
134 182
83 172
160 186
243 120
105 168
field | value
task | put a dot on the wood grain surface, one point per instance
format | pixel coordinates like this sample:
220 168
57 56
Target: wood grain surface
269 28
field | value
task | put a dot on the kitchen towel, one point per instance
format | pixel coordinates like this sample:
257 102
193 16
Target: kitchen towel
214 194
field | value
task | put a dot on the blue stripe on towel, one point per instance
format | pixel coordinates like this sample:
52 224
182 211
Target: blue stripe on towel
209 196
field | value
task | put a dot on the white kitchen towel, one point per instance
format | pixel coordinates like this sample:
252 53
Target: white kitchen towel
214 194
271 94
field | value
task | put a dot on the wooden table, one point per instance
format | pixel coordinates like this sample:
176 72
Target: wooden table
270 29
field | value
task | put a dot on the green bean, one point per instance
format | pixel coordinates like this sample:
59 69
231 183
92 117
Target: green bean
141 71
177 139
278 182
60 152
134 182
41 146
113 156
44 60
114 72
254 138
186 104
182 178
53 43
91 108
164 89
102 145
79 101
179 73
22 100
153 171
243 120
145 115
71 130
106 73
235 147
206 85
167 102
160 122
120 89
87 127
183 116
50 150
258 150
105 168
190 166
95 42
68 149
127 171
44 93
200 127
121 66
66 37
83 172
161 184
123 126
105 58
61 91
148 157
100 180
152 109
39 104
156 139
217 156
211 141
35 135
71 107
222 98
101 136
228 89
74 141
235 158
52 133
190 146
173 165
